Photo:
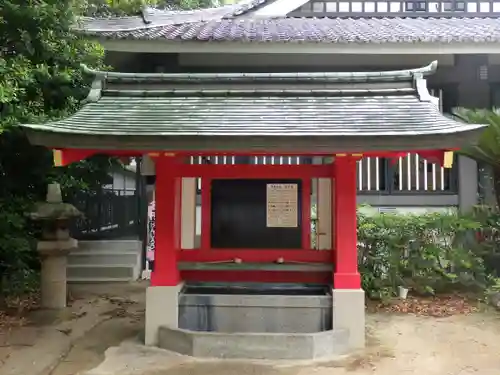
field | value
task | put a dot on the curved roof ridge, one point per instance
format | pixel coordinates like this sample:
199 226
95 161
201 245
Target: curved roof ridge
391 75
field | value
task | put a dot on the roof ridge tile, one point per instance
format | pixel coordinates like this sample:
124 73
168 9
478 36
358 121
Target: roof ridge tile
387 76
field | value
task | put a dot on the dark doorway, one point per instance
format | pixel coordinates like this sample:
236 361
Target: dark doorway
239 216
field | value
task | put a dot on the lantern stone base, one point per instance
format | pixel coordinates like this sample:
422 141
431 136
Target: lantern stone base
54 256
349 314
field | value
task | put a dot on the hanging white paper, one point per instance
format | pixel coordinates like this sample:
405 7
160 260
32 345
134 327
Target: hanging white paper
282 202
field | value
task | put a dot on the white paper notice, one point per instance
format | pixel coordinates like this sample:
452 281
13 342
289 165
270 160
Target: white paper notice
282 209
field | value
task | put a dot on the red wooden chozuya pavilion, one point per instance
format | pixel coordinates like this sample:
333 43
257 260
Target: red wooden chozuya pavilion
341 117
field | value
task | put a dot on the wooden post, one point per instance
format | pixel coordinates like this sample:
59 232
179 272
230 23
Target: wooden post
188 213
344 227
206 213
165 271
306 213
324 213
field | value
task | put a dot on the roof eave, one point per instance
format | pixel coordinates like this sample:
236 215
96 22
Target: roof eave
235 47
279 144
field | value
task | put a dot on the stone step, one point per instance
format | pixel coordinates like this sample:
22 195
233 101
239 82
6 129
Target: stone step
130 258
253 345
105 260
96 272
110 246
96 280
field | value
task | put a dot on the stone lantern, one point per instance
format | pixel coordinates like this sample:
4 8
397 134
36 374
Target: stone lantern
54 246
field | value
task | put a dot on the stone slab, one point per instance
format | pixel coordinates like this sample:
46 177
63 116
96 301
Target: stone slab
262 346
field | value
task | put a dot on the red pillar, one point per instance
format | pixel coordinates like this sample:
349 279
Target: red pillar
165 271
344 228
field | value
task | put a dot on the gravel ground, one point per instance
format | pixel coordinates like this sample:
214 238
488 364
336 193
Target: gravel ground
465 343
397 345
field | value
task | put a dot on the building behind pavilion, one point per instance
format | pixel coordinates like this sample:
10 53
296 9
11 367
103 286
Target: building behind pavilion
291 36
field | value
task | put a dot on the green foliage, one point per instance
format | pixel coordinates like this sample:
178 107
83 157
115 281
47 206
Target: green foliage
486 150
40 79
40 75
18 265
493 290
194 4
100 8
430 253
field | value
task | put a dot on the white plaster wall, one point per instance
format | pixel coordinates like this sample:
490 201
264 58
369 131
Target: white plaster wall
367 210
123 183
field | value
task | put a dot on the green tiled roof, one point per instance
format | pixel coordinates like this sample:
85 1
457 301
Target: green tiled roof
218 111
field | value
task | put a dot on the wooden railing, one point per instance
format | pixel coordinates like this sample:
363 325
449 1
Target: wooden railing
108 214
410 174
268 159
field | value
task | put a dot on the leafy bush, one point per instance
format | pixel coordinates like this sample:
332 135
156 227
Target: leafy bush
107 8
430 253
40 79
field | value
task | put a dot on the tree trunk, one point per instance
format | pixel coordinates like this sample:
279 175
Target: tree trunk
496 184
486 188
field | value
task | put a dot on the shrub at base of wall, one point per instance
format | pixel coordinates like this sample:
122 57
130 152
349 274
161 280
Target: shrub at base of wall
428 254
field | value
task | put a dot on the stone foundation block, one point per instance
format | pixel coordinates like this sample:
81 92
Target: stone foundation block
162 309
349 314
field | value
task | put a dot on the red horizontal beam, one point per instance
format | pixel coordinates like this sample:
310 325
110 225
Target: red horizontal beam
250 171
258 276
64 157
119 152
387 153
255 256
67 156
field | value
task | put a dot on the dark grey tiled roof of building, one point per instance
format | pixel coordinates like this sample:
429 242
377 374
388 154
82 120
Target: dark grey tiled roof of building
324 30
358 105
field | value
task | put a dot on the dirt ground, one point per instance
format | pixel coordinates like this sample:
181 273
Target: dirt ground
403 345
406 344
35 342
124 322
398 344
